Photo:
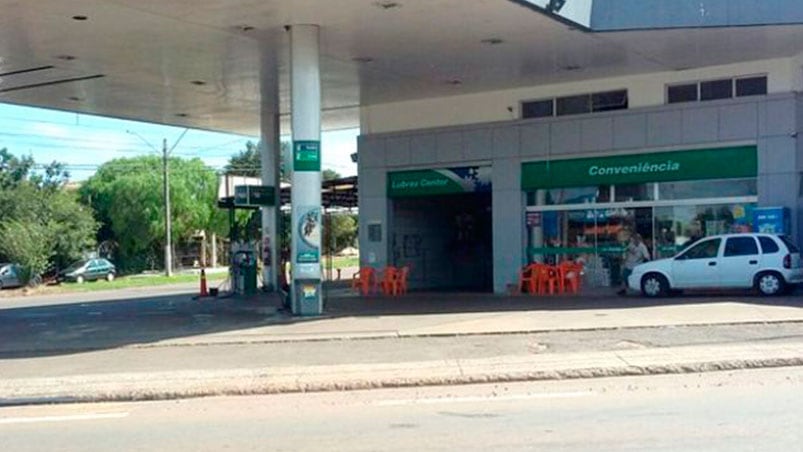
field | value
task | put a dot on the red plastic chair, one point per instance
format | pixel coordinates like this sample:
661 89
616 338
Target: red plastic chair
528 279
363 280
547 281
570 274
388 282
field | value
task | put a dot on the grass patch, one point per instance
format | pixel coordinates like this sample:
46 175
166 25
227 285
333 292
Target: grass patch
123 282
342 261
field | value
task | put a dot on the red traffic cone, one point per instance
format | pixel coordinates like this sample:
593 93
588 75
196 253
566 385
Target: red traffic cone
204 291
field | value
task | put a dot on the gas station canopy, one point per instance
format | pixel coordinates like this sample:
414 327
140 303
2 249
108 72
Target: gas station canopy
211 64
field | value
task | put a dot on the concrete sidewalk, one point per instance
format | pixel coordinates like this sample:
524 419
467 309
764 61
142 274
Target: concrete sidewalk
353 325
99 387
174 346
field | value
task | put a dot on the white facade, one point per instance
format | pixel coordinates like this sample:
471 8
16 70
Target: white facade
647 90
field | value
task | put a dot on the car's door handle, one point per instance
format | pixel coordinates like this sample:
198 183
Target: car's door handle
712 264
753 262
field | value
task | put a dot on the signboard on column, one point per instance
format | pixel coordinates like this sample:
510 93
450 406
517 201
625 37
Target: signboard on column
308 241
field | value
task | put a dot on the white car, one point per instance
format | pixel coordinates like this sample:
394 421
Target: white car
768 263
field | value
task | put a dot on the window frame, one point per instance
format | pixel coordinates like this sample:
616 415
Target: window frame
734 85
747 77
730 83
696 86
535 101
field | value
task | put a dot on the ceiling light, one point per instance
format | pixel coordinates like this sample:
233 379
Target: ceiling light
198 82
387 4
80 17
493 41
245 28
65 57
362 59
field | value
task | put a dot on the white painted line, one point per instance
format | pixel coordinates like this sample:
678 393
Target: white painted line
68 418
488 398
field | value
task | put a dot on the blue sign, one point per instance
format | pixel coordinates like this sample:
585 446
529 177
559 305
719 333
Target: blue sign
771 220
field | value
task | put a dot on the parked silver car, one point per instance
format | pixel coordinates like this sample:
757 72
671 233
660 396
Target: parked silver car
10 276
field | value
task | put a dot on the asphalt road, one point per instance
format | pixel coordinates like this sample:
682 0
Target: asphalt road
747 410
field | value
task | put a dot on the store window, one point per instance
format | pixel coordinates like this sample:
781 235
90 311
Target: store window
570 196
707 189
635 192
676 227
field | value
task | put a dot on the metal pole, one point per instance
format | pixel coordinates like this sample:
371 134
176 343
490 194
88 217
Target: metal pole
168 227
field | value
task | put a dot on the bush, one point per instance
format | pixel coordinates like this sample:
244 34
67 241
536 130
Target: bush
27 244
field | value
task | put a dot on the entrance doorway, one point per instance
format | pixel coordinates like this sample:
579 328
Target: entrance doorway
446 240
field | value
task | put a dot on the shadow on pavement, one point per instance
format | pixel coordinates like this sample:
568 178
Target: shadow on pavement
65 328
444 303
49 329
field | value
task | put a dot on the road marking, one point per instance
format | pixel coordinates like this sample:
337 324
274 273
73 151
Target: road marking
68 418
488 398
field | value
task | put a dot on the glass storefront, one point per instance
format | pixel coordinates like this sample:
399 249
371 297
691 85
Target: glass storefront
592 223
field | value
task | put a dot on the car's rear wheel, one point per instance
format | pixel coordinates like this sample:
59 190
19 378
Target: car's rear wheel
79 279
654 285
770 284
110 277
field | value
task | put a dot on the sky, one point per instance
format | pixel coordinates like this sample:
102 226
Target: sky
84 142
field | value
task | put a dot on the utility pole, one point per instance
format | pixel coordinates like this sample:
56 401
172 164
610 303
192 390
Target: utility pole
168 223
166 173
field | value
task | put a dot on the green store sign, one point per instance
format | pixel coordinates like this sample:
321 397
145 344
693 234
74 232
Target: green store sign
716 163
254 195
306 156
444 181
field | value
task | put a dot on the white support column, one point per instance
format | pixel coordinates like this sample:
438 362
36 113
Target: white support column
270 149
306 217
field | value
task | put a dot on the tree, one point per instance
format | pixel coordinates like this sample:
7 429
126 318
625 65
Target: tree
127 197
27 244
41 224
248 162
329 174
340 231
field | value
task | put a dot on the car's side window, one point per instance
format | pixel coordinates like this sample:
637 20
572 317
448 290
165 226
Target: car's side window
768 246
704 250
741 246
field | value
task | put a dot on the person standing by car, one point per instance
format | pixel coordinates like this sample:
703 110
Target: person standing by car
636 253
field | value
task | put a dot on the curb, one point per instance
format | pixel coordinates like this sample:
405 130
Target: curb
350 377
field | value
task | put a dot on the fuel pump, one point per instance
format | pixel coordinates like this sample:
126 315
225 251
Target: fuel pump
244 270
